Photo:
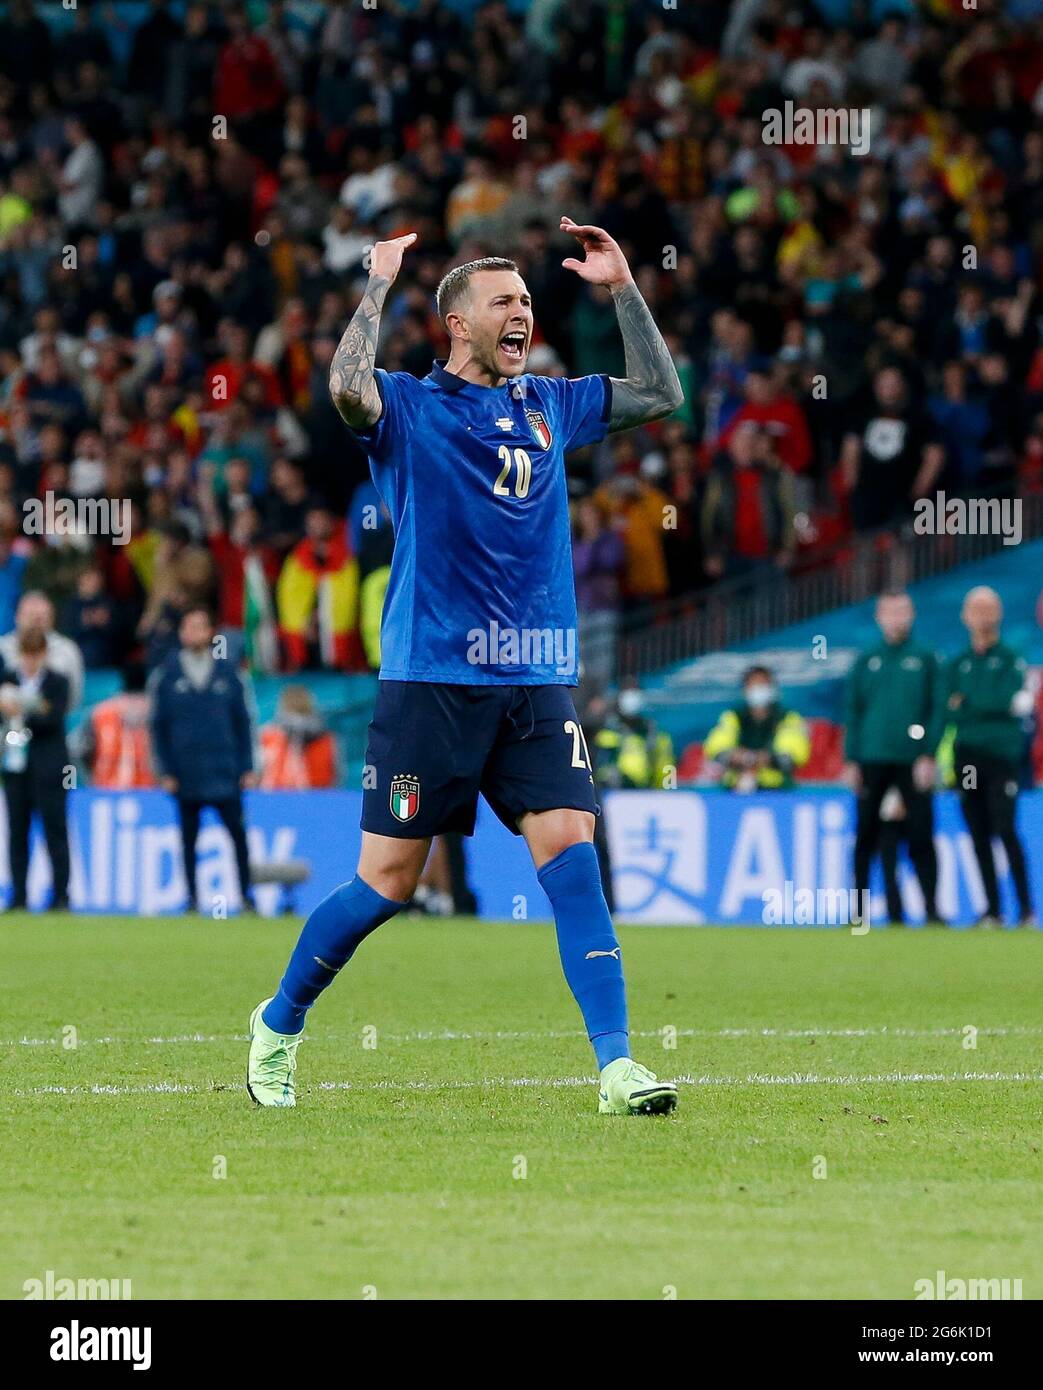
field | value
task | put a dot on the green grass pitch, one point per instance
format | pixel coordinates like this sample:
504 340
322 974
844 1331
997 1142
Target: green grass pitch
446 1145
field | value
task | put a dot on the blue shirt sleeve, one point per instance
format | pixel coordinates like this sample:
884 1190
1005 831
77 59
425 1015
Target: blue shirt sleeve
584 406
379 442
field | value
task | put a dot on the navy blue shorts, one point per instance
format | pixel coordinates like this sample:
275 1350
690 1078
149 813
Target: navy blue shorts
433 748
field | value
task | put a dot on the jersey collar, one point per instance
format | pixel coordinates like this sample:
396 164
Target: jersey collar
449 381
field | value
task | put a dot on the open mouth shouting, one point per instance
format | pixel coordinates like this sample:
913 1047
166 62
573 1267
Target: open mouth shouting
512 346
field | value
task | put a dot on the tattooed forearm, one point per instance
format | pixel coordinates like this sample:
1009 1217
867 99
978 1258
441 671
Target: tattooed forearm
352 383
651 388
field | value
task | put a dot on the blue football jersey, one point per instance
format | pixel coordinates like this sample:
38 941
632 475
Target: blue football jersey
481 589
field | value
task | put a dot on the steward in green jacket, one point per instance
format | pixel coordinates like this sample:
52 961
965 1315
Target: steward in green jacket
987 702
894 718
631 751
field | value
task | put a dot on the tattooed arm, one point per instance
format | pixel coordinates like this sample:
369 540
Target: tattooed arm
651 388
352 383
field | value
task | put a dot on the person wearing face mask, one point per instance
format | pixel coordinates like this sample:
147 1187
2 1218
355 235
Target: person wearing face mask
631 751
758 744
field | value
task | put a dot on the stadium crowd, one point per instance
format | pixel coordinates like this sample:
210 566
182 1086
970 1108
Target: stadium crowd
186 202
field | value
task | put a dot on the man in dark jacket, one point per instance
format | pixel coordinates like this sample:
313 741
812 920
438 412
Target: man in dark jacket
202 741
33 702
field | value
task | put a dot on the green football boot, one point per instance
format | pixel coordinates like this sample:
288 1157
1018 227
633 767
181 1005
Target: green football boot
273 1060
627 1088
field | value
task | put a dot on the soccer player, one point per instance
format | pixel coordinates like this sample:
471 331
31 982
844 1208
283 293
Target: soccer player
478 637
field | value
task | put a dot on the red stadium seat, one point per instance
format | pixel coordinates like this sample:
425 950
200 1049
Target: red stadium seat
826 763
691 763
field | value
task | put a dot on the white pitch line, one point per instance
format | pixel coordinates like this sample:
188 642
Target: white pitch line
450 1035
553 1083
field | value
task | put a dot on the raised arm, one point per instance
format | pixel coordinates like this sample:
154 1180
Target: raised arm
651 388
353 386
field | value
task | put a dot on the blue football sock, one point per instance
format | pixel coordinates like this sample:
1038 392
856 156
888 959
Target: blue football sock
330 938
590 953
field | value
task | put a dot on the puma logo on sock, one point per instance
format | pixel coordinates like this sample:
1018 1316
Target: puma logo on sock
614 953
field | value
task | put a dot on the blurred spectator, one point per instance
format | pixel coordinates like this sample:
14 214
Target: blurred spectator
297 751
150 52
748 508
637 511
631 751
962 420
82 176
34 701
12 570
758 743
598 556
777 415
891 456
343 244
474 204
180 575
317 598
114 742
682 534
286 505
92 621
202 742
375 547
35 613
246 570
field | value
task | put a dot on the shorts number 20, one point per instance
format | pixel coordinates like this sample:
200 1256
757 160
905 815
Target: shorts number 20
580 753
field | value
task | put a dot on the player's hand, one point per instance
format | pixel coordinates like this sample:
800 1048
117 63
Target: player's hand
169 784
385 259
923 773
853 777
248 780
605 263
